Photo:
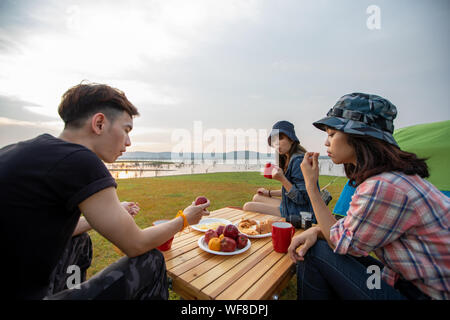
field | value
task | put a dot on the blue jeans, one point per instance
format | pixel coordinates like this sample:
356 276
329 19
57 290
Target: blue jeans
325 275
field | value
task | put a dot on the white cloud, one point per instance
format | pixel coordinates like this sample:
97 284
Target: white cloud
100 41
49 112
229 63
148 146
141 130
45 125
139 92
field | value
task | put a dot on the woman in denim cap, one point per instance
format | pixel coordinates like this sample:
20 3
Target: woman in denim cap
294 197
395 214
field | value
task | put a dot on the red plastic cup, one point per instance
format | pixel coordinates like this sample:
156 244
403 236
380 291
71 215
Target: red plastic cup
282 233
268 170
168 244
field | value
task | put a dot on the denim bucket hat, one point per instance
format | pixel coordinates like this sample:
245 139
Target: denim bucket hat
283 127
362 114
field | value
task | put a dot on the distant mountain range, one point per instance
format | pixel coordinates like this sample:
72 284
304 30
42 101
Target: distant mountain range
241 155
238 155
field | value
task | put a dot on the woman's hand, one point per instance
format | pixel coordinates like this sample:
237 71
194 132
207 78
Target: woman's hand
310 168
194 213
306 240
131 207
277 173
263 192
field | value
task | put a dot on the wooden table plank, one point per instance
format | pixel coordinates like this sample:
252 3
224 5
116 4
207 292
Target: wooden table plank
265 286
201 268
183 243
254 274
224 263
237 271
188 256
192 263
236 289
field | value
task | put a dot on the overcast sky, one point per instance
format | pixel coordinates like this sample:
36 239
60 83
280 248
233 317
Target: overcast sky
231 64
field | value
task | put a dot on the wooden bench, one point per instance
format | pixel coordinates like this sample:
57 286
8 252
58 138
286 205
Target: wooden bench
258 273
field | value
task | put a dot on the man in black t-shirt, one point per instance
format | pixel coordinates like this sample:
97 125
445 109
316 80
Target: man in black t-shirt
47 182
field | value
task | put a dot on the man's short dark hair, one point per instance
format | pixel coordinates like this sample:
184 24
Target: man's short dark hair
86 99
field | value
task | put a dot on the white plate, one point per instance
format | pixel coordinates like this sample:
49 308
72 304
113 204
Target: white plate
208 221
202 244
255 236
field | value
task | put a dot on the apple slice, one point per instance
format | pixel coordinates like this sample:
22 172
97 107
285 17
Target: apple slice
200 200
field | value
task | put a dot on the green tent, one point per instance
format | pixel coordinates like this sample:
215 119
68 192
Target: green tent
430 141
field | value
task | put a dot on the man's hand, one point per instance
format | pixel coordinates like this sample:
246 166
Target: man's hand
131 207
107 216
306 240
194 213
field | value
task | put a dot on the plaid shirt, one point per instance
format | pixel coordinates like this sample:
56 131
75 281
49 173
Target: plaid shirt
404 219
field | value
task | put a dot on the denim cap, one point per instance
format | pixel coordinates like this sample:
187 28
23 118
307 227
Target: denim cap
283 127
362 114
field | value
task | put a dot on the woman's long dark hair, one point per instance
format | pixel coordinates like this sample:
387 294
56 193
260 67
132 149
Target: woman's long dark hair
375 156
295 148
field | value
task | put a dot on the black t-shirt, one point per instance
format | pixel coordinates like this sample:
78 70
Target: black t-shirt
42 181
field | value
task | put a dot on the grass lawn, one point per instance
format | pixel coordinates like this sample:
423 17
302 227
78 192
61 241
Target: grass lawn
162 197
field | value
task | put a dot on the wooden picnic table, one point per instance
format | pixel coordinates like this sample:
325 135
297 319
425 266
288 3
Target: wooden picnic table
258 273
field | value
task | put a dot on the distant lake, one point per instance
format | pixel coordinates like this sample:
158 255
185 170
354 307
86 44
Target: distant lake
126 169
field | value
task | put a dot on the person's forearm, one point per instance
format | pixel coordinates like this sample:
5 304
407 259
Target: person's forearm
82 226
286 184
324 216
154 236
319 233
275 193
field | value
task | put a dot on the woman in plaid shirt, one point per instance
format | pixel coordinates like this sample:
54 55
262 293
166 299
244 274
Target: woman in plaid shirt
394 213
